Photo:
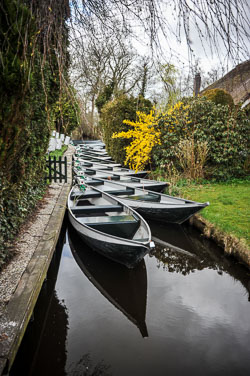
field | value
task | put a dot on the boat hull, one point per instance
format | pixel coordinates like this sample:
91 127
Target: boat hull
126 252
168 215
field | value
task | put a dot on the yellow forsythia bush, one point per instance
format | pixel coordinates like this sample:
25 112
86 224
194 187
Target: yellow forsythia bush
144 138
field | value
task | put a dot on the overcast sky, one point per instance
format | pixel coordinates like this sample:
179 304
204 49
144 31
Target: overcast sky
177 52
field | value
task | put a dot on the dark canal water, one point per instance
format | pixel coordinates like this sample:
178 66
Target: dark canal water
185 310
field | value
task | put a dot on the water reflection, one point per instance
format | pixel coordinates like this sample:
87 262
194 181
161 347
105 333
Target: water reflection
86 367
197 313
125 288
181 249
43 349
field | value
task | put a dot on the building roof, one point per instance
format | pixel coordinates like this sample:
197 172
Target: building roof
236 82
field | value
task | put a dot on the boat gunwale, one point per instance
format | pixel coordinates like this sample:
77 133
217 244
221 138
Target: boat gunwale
185 204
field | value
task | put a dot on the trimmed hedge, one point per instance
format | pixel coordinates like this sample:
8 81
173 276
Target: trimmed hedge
219 96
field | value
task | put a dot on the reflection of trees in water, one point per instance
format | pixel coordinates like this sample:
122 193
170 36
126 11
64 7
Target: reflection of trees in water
173 261
180 249
202 254
85 367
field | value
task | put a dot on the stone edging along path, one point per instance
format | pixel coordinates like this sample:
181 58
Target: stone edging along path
22 280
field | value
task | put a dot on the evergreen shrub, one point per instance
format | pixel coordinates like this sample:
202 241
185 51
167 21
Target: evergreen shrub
225 130
112 115
219 96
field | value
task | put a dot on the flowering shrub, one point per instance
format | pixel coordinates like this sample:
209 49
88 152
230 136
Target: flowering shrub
144 138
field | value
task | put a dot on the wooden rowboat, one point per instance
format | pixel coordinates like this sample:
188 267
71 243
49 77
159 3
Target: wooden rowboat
122 171
91 155
102 161
152 205
131 181
109 226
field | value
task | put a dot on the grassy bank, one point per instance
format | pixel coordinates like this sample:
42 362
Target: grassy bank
58 153
229 205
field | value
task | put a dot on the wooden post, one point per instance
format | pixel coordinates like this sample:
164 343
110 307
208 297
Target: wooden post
60 169
55 169
50 177
65 161
197 84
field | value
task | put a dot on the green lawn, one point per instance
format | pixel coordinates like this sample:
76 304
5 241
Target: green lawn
229 205
58 153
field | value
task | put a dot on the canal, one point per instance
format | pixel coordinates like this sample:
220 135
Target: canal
184 310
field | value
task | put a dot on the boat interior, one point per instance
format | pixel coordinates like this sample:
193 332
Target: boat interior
119 190
110 218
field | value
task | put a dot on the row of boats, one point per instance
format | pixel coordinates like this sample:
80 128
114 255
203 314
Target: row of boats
108 205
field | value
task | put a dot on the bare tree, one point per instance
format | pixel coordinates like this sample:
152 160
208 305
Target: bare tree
100 59
220 25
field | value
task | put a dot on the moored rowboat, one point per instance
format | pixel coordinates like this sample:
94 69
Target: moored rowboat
109 226
152 205
131 181
122 171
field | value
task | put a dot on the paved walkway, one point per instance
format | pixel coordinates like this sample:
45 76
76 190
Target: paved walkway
22 279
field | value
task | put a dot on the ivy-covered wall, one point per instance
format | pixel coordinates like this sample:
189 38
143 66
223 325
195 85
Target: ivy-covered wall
29 91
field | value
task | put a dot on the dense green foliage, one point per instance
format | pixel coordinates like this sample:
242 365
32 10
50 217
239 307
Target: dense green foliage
104 96
66 112
112 115
225 130
29 93
219 96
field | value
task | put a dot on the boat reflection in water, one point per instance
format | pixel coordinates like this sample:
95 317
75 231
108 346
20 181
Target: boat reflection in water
125 288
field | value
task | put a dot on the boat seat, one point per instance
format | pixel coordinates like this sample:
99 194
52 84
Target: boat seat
79 210
119 192
115 177
94 182
90 172
107 219
146 197
86 194
117 225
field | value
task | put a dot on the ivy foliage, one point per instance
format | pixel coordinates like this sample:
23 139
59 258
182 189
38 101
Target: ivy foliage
66 111
29 91
225 129
112 115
